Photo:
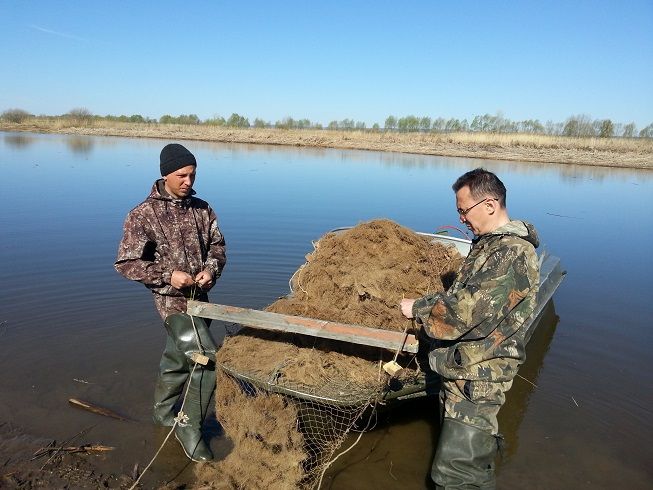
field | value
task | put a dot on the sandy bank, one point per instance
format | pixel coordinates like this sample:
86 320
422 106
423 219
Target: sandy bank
608 152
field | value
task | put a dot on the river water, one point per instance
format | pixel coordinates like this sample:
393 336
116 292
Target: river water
579 416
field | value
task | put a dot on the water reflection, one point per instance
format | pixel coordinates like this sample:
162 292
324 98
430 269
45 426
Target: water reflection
80 145
18 140
517 399
569 173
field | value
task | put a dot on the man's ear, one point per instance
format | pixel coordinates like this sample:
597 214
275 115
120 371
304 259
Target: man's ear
492 205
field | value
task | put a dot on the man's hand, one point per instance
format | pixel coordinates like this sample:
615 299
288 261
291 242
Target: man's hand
406 306
204 280
180 280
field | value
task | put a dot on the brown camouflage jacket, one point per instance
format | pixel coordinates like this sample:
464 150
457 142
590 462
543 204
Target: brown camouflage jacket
163 234
478 322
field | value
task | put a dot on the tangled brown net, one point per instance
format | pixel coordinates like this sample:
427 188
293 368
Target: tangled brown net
359 276
287 401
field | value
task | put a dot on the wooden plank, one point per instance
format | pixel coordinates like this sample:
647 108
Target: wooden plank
267 320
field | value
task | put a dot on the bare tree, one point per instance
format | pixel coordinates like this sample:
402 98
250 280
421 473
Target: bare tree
630 130
647 132
80 116
15 115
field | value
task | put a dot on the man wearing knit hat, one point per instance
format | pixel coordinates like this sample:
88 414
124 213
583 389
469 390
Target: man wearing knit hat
172 244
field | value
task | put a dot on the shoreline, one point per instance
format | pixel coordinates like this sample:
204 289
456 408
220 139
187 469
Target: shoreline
634 153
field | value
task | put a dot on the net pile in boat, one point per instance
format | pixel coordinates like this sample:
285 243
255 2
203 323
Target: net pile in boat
288 401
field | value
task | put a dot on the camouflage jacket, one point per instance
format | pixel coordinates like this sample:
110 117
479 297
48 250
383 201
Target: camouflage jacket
478 322
163 234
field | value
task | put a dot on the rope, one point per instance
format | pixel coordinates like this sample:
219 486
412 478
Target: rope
155 456
326 467
298 272
412 322
401 347
181 419
403 342
449 227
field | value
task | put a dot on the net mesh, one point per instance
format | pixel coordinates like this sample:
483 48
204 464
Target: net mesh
288 401
307 431
308 421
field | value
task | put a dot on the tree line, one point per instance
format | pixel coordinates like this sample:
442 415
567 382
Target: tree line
574 126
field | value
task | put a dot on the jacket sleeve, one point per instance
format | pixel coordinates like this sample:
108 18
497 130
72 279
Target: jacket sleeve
216 256
481 304
136 258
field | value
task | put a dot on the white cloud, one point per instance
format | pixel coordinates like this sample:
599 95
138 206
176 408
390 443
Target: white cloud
55 33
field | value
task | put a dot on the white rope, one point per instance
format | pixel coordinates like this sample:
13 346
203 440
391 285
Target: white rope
299 278
326 467
155 456
405 335
402 344
181 419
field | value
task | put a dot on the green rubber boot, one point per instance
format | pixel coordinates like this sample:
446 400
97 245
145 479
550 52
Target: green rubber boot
189 430
173 373
464 458
191 337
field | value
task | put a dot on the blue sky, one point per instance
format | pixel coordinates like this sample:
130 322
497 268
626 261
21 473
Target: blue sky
326 61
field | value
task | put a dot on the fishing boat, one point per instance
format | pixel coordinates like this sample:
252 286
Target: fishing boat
551 275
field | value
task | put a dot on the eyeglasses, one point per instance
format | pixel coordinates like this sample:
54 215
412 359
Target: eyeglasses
463 212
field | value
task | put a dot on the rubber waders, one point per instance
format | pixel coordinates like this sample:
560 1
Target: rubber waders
187 336
189 432
173 373
464 458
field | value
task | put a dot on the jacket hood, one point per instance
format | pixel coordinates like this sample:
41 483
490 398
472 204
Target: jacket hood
159 193
521 229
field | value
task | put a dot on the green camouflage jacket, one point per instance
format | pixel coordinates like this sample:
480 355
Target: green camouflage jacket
478 322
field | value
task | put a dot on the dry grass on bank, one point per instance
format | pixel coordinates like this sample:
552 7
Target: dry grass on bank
610 152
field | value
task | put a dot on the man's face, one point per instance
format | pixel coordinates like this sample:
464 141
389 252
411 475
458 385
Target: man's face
474 213
179 183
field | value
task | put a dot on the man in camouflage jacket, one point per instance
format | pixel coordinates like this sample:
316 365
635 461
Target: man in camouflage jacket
172 244
477 330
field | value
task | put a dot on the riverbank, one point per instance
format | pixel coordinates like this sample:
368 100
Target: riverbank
604 152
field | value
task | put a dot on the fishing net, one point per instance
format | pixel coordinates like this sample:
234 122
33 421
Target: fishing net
288 401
